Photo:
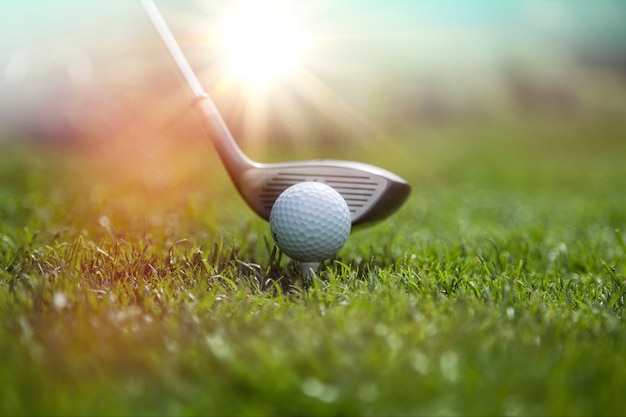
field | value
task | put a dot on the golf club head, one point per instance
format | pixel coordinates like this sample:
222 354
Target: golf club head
371 193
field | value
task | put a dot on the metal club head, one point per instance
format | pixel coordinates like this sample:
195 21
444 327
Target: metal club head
372 193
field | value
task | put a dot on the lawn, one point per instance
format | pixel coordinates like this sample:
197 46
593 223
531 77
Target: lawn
135 281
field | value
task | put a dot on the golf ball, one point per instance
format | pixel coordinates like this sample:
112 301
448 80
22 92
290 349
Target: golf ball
310 221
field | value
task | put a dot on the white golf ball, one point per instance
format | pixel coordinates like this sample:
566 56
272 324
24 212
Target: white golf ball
310 221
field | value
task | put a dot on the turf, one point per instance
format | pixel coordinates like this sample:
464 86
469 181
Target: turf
139 283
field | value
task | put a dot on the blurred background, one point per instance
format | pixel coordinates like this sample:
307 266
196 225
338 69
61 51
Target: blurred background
89 73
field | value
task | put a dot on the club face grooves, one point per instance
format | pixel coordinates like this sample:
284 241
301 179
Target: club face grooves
357 190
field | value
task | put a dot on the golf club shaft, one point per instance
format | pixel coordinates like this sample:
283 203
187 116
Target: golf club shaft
232 156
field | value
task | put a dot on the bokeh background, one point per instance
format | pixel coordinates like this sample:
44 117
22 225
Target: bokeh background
94 73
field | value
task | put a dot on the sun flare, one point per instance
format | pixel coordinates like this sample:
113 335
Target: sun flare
262 42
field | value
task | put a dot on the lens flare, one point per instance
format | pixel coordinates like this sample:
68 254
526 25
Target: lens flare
261 43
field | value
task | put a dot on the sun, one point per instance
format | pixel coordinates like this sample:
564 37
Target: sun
262 42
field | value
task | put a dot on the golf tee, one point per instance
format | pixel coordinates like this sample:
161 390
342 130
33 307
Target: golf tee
308 270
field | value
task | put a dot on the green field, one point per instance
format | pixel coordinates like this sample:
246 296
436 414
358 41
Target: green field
135 281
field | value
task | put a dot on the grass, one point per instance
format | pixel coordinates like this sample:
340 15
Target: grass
145 286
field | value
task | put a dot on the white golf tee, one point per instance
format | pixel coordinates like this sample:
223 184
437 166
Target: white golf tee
308 270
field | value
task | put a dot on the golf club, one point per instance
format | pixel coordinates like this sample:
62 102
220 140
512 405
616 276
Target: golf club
372 193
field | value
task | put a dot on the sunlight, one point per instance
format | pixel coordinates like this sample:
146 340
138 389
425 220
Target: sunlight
264 82
261 43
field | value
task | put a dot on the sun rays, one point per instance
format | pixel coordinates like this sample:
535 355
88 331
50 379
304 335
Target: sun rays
260 79
262 42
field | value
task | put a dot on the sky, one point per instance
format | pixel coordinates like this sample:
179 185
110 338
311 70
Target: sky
362 45
383 29
36 26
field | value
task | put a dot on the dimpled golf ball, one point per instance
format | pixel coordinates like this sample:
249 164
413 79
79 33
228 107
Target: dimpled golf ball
310 221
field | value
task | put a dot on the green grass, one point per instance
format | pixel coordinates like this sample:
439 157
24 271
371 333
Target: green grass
143 285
